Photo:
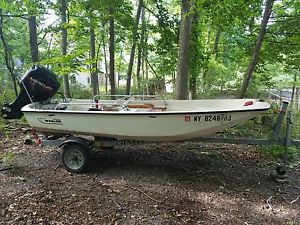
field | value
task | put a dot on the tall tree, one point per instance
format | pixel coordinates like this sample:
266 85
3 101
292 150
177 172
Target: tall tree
63 10
134 41
94 69
105 57
141 46
183 51
112 52
33 39
7 55
255 55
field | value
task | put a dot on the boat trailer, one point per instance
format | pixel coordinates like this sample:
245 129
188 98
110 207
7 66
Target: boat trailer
76 150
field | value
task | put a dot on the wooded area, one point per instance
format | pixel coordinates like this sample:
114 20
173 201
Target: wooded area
195 49
202 48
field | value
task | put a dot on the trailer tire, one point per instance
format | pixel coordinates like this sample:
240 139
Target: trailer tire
75 158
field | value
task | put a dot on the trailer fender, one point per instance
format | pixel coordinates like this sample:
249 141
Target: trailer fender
76 140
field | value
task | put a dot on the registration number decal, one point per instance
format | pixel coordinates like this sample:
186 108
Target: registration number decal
213 118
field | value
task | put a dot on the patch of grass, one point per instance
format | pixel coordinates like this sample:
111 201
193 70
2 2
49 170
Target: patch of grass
277 151
7 158
255 129
23 120
251 128
272 150
7 95
3 131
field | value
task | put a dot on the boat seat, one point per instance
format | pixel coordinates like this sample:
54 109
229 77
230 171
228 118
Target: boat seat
141 106
148 106
159 109
106 108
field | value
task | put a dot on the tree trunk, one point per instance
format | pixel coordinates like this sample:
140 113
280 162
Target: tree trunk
138 68
132 52
119 65
94 70
63 8
294 96
105 60
112 52
145 58
206 82
183 51
194 57
255 56
193 86
140 53
7 56
33 39
217 40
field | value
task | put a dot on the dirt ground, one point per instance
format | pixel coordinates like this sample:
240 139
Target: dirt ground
186 183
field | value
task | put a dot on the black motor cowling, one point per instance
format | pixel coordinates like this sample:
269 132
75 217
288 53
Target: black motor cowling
38 84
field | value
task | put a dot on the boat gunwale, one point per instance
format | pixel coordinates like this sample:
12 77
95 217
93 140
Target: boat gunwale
132 113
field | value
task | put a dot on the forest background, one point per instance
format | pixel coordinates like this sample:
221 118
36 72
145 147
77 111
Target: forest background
203 48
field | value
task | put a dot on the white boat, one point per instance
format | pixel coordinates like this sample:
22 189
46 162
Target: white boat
145 120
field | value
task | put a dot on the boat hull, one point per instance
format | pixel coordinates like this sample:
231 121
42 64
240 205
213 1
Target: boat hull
158 127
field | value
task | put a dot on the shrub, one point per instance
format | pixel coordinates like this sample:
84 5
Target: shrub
3 130
7 158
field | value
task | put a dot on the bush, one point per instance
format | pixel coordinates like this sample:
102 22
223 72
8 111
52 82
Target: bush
6 96
296 124
3 130
253 128
7 158
79 91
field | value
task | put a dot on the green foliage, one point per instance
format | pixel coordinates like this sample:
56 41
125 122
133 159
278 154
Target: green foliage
275 151
279 151
3 130
252 128
122 91
80 92
296 124
255 129
7 158
6 94
165 35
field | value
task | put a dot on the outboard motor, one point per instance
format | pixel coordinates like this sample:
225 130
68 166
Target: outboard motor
38 84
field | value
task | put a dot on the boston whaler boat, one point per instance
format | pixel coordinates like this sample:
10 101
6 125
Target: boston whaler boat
145 120
133 118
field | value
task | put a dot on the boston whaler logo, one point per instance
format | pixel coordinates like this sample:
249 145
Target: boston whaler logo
50 121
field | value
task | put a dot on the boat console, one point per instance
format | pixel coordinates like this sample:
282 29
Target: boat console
38 84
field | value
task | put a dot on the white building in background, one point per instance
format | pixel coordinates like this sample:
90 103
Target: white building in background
84 78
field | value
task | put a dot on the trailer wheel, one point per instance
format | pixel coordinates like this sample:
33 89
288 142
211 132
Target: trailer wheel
75 158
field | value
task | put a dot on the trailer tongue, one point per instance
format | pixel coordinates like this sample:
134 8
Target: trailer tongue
38 84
